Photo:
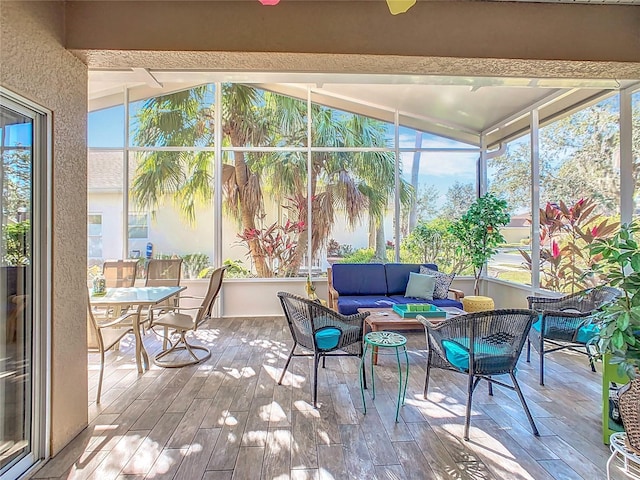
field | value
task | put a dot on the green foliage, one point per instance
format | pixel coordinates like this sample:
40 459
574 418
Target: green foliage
357 183
235 269
363 255
618 259
478 231
194 264
366 255
432 242
16 238
460 196
566 232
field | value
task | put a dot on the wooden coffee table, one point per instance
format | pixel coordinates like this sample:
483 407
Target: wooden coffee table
388 319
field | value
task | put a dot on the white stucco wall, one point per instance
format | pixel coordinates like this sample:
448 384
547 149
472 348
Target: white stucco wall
36 66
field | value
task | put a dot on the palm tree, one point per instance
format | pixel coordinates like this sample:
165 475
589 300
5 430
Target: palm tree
358 183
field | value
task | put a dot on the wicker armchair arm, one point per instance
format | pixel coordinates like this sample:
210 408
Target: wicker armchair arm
539 303
335 318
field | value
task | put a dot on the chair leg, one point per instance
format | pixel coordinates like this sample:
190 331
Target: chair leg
591 359
324 358
528 350
286 365
316 361
541 352
100 377
524 404
426 379
490 387
470 383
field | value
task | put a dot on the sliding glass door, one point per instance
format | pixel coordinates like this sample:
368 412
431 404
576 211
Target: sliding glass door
22 289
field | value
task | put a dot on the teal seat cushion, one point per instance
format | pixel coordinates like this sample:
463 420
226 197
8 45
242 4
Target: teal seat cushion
328 338
586 333
457 352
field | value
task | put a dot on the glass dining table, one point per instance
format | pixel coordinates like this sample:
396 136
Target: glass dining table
139 298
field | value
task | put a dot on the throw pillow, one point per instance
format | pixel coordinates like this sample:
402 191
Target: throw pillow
443 282
420 286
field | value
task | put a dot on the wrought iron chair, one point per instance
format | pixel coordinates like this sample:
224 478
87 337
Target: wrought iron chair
481 345
102 336
172 318
565 322
322 332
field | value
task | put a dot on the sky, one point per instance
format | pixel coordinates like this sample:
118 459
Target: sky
437 169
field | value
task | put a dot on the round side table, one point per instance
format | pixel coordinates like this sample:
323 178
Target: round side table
618 445
383 340
477 303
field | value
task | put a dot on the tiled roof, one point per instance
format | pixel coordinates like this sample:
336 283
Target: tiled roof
105 170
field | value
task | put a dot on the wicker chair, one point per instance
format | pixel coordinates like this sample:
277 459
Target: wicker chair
322 332
480 345
565 323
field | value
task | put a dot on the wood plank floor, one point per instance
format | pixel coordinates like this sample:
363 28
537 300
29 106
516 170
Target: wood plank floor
228 419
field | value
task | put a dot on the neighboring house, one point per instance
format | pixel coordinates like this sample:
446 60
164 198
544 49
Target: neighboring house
518 230
168 230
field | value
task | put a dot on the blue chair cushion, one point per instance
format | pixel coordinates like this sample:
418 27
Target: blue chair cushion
328 338
457 352
359 279
348 305
586 333
397 275
445 302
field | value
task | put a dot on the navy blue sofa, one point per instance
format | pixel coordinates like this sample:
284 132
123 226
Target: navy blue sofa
376 285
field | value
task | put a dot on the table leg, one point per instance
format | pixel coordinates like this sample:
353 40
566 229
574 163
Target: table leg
399 384
142 358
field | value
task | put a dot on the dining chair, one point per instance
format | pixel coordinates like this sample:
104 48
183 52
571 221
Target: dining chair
120 273
104 335
164 272
173 319
480 345
565 323
321 332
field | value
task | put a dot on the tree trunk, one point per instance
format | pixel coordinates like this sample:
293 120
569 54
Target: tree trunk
247 214
381 243
371 240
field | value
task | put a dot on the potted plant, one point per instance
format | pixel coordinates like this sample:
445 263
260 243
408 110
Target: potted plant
478 232
618 260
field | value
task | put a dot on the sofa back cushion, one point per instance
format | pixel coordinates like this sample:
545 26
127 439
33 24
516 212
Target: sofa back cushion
359 278
398 275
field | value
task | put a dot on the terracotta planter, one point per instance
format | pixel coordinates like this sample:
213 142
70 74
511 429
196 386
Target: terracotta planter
629 404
